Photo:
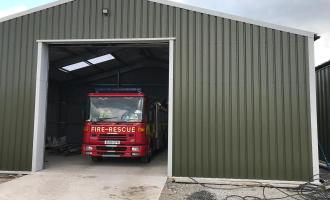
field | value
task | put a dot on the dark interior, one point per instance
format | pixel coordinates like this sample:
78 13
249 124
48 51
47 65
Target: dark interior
134 66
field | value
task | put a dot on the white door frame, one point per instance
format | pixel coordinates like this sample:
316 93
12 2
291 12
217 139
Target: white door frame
42 89
313 110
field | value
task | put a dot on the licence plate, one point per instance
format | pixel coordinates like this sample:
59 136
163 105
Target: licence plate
111 142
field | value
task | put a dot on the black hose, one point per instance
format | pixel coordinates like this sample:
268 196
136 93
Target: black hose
308 190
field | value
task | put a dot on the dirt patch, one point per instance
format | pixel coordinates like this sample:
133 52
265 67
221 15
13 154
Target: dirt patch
137 191
8 177
133 193
202 195
89 176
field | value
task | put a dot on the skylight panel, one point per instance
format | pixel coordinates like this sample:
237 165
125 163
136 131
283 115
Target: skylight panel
75 66
101 59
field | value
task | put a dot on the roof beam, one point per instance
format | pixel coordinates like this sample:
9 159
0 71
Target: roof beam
125 69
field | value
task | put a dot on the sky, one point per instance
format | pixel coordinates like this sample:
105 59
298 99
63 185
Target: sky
310 15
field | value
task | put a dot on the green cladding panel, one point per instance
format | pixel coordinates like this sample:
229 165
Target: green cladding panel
241 91
323 108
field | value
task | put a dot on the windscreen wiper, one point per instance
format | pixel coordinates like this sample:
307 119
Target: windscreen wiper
104 118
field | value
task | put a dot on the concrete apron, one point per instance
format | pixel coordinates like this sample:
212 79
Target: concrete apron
75 177
68 186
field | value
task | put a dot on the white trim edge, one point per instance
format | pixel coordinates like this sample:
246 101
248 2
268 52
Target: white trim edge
313 109
15 172
124 40
170 110
245 182
36 110
40 108
179 5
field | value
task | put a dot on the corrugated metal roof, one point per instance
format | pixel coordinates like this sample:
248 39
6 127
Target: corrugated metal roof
183 6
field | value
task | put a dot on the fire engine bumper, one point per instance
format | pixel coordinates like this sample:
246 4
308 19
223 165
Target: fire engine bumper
126 151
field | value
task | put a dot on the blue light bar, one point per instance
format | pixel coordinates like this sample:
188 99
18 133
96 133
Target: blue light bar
123 90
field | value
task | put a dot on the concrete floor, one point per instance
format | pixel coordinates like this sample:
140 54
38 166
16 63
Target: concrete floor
72 164
74 177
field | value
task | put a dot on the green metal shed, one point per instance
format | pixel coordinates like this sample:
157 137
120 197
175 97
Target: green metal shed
323 108
244 104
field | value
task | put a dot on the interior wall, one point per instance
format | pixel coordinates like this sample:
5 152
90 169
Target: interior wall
67 102
53 109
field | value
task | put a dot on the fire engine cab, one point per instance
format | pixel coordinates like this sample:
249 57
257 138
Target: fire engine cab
124 123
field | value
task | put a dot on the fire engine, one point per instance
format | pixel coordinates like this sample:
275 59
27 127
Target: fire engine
124 122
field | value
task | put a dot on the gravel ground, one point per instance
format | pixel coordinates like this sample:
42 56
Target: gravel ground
176 191
8 177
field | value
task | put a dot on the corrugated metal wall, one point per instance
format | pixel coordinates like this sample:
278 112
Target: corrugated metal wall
323 108
241 97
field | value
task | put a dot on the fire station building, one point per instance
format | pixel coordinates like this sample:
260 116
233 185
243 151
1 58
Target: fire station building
240 93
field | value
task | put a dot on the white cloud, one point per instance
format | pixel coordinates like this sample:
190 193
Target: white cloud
322 49
182 1
10 11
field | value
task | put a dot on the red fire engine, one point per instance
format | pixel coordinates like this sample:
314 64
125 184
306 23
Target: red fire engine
124 123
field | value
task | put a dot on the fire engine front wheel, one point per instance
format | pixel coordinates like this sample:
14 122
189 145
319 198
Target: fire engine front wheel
96 159
147 158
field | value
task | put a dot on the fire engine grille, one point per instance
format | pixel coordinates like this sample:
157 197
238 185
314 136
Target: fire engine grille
112 153
111 148
117 137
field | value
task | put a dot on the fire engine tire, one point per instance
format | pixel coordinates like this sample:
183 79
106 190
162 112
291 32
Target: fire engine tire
146 159
96 159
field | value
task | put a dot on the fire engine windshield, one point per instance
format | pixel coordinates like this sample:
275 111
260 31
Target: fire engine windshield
116 109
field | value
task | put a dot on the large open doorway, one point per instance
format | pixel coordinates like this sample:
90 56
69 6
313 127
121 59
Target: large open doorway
70 70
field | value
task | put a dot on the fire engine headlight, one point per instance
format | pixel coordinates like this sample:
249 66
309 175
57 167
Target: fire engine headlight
89 148
135 148
141 130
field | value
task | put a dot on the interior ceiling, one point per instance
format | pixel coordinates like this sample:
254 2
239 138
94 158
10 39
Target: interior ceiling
128 57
